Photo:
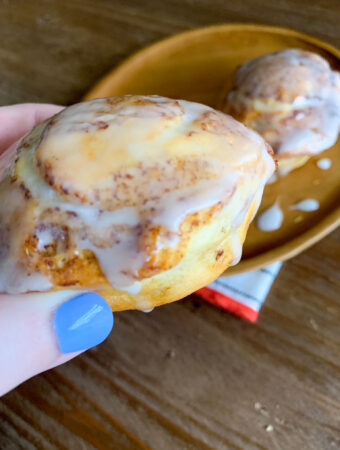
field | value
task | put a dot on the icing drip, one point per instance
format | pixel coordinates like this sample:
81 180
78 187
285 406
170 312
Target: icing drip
270 219
310 204
324 163
272 179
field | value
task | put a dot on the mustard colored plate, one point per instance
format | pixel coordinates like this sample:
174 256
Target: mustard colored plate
199 65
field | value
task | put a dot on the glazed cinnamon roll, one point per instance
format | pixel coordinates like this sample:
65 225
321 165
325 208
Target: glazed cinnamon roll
140 198
291 98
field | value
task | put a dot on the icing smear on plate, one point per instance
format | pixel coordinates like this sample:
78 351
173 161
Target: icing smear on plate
271 218
309 204
324 163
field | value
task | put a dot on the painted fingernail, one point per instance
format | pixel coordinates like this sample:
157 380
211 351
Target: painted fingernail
82 322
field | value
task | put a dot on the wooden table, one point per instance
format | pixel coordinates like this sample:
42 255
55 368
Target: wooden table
186 376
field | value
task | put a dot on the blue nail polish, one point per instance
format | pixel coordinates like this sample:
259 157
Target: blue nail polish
82 322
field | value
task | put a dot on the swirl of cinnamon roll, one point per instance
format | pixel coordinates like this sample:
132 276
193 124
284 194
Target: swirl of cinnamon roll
292 99
143 199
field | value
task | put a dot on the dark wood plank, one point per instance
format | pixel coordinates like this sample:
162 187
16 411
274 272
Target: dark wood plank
53 50
186 376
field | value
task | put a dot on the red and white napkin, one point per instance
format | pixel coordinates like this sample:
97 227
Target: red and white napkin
244 294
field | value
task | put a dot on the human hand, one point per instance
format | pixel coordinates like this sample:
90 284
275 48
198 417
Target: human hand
39 331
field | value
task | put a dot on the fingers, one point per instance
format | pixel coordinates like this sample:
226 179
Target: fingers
17 120
41 331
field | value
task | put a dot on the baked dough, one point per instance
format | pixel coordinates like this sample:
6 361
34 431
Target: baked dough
143 199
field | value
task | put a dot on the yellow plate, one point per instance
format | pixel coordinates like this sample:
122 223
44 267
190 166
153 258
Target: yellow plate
199 65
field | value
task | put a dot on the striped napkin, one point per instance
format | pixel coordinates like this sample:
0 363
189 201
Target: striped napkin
244 294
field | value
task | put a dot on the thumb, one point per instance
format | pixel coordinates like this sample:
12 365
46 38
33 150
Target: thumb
39 331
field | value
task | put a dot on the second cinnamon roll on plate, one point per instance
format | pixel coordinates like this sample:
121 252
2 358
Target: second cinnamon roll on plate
292 98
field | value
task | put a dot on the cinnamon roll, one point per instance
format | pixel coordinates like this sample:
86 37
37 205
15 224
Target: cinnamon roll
291 98
143 199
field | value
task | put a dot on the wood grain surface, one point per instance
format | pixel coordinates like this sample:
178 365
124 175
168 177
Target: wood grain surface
186 376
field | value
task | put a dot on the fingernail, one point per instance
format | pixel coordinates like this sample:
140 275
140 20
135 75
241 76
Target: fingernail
82 322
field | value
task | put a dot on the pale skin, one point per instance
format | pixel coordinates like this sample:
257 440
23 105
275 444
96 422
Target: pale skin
28 344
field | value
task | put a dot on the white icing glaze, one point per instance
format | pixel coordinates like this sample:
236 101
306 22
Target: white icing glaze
318 132
133 288
15 279
180 203
324 163
270 219
45 237
309 204
147 310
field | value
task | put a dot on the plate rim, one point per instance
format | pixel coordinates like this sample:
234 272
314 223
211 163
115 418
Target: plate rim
302 241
